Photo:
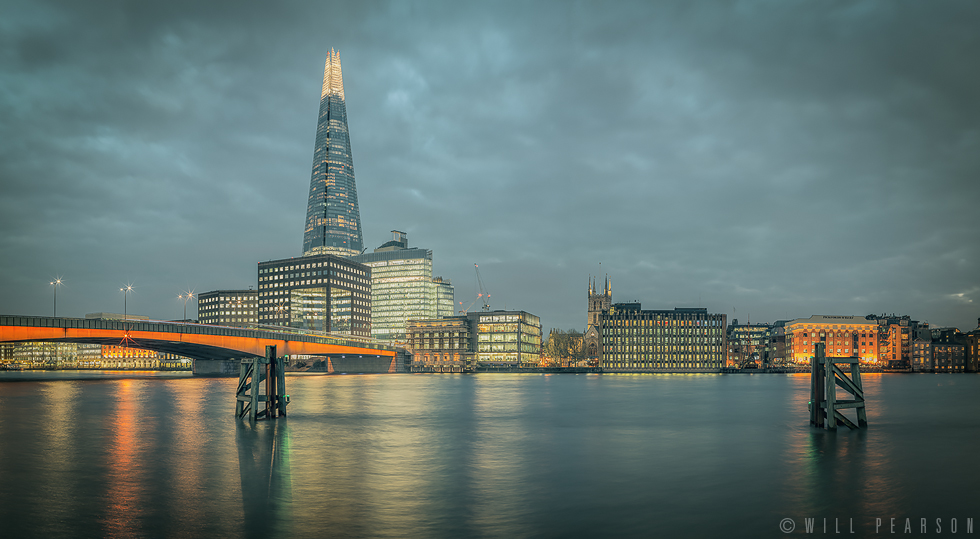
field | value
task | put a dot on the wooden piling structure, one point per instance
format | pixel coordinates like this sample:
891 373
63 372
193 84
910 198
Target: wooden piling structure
252 372
825 376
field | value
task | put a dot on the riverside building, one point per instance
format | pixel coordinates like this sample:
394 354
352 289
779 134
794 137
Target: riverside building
235 308
402 287
747 344
844 336
441 345
681 340
485 340
316 292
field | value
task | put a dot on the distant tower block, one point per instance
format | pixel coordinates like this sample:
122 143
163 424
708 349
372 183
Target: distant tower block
825 376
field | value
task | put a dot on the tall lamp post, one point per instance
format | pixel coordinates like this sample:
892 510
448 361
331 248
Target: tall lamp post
125 290
185 297
56 283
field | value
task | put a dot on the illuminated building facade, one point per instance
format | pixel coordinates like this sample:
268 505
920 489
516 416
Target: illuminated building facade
949 357
506 338
747 344
922 355
949 350
487 339
445 296
316 293
681 340
62 355
441 345
234 308
774 354
333 221
844 336
895 336
403 289
972 349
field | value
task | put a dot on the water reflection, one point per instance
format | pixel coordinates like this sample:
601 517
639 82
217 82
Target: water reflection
124 478
263 462
463 456
844 473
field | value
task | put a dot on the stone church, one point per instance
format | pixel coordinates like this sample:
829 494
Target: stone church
599 302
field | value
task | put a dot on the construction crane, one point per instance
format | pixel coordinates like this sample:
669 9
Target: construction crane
484 295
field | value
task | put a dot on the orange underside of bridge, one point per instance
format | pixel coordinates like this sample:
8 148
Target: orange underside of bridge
247 346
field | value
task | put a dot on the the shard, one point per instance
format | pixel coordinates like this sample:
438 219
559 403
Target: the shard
333 222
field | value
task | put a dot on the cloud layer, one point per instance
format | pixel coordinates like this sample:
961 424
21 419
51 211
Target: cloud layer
772 159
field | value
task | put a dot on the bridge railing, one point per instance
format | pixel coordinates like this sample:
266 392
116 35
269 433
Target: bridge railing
259 332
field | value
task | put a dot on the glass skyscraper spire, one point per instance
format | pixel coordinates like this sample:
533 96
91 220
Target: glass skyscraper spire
333 222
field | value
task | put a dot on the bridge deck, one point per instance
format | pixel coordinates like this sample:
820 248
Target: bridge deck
196 341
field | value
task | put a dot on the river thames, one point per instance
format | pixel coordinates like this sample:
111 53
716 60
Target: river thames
496 455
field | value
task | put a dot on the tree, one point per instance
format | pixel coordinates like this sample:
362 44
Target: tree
564 347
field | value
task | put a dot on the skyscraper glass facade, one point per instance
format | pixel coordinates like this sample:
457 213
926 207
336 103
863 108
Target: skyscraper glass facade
333 221
402 288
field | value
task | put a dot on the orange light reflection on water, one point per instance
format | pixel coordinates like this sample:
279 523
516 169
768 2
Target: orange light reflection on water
123 500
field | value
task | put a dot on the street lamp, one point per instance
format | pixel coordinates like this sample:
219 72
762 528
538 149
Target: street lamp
56 283
185 297
125 290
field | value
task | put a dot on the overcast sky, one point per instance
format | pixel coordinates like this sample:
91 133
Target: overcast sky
766 159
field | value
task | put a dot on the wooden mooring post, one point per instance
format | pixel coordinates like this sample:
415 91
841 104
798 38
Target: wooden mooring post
253 371
825 376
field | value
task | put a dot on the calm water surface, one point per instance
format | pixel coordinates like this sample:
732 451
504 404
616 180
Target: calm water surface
482 456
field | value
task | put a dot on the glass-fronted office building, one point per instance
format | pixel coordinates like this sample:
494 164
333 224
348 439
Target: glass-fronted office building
403 289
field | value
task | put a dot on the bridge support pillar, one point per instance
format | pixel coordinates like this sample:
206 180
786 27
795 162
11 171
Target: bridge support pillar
248 400
825 376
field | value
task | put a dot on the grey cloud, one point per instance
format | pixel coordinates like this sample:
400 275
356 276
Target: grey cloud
781 158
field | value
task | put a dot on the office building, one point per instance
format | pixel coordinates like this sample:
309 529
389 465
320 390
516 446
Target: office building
402 287
484 340
317 293
234 308
333 221
681 340
506 339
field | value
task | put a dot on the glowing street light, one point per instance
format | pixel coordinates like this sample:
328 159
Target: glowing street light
185 297
56 283
125 290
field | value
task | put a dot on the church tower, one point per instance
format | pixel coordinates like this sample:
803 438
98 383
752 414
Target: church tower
599 303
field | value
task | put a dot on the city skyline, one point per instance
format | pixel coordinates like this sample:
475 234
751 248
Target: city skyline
779 162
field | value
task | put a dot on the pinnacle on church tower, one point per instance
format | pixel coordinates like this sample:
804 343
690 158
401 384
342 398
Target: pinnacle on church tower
333 221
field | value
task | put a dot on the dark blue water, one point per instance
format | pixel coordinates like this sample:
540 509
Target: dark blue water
484 456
